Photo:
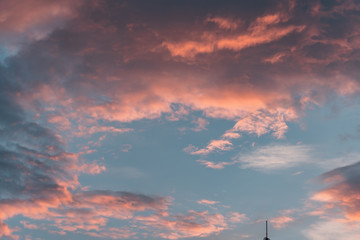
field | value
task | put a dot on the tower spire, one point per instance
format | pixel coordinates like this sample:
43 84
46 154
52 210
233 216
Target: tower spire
266 230
266 224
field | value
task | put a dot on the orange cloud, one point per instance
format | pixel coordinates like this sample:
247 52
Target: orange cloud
224 23
261 31
5 231
342 192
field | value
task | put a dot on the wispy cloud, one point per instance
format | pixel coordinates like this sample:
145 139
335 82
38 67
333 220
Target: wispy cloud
225 23
275 157
192 224
269 158
214 145
262 30
207 202
215 165
332 229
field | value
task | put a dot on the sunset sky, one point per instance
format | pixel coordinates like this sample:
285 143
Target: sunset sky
179 119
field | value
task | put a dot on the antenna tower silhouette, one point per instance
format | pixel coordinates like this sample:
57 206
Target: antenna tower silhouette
266 238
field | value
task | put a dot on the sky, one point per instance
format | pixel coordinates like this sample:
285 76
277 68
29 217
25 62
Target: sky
179 119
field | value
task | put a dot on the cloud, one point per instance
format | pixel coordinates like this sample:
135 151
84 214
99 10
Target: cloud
5 231
113 233
332 230
39 181
262 122
92 168
207 202
260 102
261 31
101 129
200 124
74 65
338 205
236 217
101 205
21 23
275 157
61 122
225 23
281 222
125 147
193 224
231 135
214 165
149 92
214 145
275 58
342 191
343 160
28 225
268 158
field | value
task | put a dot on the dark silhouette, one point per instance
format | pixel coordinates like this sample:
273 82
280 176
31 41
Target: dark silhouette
266 238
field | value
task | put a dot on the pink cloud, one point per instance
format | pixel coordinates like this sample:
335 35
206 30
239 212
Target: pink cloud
62 123
340 195
259 123
278 57
23 22
213 165
145 93
5 231
261 31
113 233
262 122
92 168
194 224
201 124
225 23
281 222
207 202
231 135
29 225
91 71
101 129
214 145
235 217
